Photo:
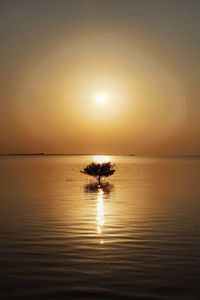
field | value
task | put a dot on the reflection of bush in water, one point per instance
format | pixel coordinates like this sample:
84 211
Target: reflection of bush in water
94 187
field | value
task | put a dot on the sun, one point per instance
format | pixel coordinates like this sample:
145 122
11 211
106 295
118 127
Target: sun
101 98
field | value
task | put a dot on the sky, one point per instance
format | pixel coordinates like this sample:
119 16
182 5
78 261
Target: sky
59 58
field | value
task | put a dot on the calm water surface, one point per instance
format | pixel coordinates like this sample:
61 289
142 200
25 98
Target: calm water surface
136 238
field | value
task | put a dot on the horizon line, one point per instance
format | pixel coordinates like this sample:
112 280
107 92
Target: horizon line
89 154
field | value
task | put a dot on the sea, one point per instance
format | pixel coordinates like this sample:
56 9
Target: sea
135 237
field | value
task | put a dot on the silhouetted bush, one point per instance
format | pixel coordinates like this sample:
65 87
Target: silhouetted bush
99 170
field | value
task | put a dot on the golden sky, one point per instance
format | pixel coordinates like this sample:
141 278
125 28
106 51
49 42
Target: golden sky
100 76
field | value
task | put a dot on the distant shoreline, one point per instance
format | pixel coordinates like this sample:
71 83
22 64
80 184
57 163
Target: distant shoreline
46 154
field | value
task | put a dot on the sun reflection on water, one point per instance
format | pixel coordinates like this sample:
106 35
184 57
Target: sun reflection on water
100 213
101 158
100 194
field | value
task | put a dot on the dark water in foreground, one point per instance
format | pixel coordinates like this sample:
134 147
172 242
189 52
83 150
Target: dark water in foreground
138 238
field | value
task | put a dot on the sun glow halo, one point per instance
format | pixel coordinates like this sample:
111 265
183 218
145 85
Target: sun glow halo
101 98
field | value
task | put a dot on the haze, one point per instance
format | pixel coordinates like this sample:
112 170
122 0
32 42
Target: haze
58 57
